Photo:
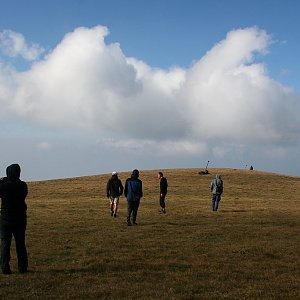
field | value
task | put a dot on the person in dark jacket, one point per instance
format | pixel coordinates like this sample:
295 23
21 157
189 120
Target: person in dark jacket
163 189
216 188
13 218
133 193
114 190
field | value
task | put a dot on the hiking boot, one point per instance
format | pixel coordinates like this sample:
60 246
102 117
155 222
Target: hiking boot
22 271
128 222
134 223
115 215
111 213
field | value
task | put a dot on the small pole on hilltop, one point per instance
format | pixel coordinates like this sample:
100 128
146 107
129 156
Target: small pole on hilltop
207 165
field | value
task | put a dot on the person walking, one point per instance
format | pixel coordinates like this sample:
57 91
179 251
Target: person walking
133 192
163 189
13 219
216 188
114 190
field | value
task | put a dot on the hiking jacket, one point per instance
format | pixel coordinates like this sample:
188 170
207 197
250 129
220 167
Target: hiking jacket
163 185
114 187
13 192
133 187
216 186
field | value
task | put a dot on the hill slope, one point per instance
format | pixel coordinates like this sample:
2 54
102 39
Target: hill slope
248 249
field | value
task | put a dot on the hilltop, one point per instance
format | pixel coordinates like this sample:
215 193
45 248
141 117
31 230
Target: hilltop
248 249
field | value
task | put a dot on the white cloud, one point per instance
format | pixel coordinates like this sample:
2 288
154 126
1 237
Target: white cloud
43 146
232 98
14 44
225 97
167 147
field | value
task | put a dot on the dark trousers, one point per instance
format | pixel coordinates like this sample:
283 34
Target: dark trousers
216 198
16 229
162 200
132 209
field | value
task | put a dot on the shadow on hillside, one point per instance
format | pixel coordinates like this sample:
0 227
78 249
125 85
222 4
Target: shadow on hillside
234 211
118 267
92 270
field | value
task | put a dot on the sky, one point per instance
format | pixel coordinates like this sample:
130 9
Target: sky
95 86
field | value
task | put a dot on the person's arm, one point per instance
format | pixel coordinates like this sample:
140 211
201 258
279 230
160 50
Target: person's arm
163 186
126 188
26 189
2 185
121 188
141 188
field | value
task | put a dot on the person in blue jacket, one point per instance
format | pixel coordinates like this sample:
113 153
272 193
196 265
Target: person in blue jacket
13 218
133 192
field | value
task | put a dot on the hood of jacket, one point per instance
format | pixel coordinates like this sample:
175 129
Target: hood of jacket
13 172
135 174
218 179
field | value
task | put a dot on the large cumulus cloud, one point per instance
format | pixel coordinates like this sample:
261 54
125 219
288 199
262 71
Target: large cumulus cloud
232 98
225 97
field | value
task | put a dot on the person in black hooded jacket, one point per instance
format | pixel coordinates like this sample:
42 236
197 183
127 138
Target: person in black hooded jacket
163 189
114 189
13 218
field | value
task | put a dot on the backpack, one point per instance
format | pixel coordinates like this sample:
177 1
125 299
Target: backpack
114 187
219 186
134 190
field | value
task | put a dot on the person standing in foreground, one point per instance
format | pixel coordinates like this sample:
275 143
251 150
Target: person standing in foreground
13 218
216 188
163 189
114 190
133 193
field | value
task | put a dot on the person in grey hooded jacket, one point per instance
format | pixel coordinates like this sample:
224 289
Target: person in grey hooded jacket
13 218
216 188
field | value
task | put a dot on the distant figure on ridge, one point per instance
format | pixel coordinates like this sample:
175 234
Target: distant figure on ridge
13 220
216 188
163 189
114 190
133 193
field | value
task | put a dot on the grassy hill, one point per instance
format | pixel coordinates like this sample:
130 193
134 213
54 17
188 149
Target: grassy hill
249 249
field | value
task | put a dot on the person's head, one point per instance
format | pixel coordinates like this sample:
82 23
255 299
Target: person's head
218 176
114 174
135 173
160 175
13 172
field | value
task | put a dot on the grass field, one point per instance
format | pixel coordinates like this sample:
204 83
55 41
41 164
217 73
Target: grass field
249 249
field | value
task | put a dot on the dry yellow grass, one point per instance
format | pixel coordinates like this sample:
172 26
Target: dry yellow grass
249 249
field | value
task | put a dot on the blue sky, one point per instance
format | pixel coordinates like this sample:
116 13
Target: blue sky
90 87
